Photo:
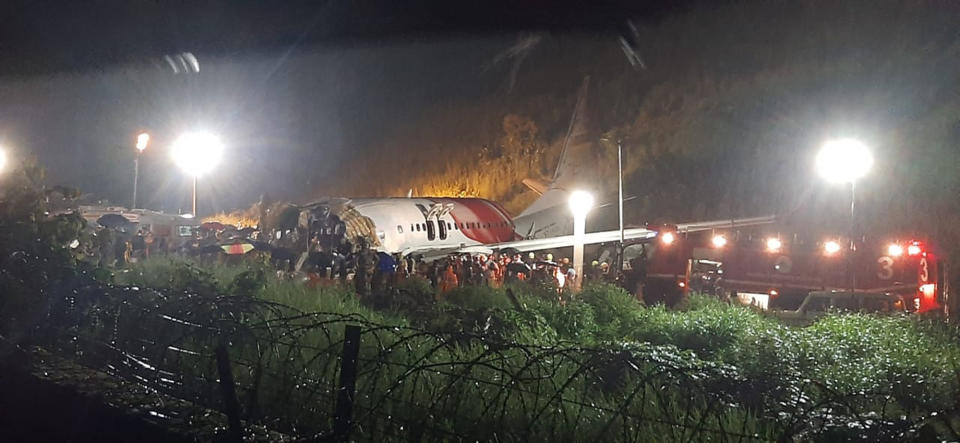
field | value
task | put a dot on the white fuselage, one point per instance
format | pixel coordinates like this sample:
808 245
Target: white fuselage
407 225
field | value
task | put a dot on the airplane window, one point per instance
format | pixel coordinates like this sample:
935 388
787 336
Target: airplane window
411 227
448 226
399 229
418 227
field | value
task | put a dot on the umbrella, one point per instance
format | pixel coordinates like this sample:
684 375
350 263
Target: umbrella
212 226
246 231
260 246
115 221
207 249
547 263
509 251
518 267
237 248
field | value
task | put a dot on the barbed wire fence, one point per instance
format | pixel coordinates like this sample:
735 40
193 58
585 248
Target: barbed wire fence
337 377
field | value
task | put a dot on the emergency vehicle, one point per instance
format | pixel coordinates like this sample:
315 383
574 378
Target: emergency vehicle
777 271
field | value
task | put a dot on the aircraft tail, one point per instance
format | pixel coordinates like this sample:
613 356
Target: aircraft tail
579 158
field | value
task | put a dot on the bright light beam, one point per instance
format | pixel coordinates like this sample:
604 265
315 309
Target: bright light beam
197 153
844 160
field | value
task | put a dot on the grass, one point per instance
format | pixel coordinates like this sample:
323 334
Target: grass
595 350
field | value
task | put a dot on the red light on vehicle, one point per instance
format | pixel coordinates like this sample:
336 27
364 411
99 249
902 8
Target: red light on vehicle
894 250
929 289
914 249
719 241
831 247
682 284
773 244
667 238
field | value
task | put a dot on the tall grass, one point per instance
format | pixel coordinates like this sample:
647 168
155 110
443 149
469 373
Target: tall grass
901 371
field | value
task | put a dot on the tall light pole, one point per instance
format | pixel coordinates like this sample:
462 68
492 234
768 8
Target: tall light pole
845 161
197 153
142 140
620 205
580 204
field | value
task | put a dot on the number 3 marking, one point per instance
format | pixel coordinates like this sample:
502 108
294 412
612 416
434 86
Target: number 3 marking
924 271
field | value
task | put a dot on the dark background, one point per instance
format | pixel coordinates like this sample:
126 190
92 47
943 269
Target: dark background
722 117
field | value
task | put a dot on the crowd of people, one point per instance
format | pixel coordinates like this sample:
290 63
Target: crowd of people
331 258
494 270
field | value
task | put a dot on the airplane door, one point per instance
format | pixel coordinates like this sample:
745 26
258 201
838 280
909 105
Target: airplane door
443 229
431 231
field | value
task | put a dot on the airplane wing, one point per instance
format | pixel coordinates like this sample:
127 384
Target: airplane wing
628 234
590 238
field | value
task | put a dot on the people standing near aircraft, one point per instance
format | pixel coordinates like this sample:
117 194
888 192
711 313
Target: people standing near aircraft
360 278
448 280
571 275
402 270
476 266
105 247
636 277
492 274
138 247
148 240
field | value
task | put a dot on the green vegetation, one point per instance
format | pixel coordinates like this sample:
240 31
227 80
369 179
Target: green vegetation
883 367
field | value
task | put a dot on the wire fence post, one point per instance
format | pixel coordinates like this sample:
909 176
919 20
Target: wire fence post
343 414
229 391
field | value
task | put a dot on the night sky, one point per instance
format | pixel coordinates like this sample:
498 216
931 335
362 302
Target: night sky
290 90
319 98
285 118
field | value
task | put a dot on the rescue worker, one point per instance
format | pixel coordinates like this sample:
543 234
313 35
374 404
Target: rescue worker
448 280
491 275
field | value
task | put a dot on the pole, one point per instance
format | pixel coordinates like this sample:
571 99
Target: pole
229 392
136 178
579 235
851 263
620 211
343 413
194 205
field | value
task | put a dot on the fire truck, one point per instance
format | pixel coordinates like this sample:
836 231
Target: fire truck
777 271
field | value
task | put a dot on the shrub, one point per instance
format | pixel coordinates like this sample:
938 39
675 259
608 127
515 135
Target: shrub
478 298
614 310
